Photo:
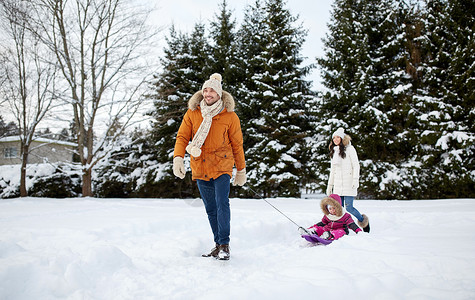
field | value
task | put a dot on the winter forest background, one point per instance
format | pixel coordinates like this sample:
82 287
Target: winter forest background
398 75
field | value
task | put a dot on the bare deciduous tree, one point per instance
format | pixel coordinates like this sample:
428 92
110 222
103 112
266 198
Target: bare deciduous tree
27 76
101 47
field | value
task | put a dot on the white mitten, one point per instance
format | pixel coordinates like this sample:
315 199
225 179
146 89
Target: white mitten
326 235
240 178
179 167
355 184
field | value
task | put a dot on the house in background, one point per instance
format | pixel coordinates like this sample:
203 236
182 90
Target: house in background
42 150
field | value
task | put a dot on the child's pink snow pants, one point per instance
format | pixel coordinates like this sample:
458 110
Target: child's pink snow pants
337 233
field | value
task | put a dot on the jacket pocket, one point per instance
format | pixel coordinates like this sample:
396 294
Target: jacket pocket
196 165
224 160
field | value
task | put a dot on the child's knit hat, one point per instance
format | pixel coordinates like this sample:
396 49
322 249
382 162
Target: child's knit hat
336 197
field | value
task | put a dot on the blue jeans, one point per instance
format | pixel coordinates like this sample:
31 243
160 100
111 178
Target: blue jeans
215 195
347 201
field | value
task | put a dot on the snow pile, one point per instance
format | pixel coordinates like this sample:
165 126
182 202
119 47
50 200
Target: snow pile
10 177
150 249
36 174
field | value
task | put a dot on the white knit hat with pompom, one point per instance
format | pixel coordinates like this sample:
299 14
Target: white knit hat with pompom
339 132
214 82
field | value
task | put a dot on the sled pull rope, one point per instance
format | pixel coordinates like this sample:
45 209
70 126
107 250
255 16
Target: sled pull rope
274 207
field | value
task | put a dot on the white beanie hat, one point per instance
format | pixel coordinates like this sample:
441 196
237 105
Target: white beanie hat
214 82
339 132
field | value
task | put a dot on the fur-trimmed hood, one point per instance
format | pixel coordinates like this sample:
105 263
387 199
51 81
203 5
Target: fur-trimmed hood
195 101
340 211
346 140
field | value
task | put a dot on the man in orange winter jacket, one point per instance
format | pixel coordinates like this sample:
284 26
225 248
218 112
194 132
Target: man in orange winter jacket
211 133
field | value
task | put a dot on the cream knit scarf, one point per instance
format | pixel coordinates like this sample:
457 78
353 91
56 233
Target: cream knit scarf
208 113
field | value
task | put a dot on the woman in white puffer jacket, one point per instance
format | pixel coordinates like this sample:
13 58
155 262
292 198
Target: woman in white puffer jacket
345 174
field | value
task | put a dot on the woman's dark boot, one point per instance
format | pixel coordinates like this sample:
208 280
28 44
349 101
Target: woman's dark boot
366 229
364 224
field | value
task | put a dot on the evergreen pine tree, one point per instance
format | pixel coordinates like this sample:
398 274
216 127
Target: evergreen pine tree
8 129
3 127
252 44
223 52
279 123
445 100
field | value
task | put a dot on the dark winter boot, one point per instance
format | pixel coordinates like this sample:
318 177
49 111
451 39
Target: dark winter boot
214 252
365 223
366 229
223 252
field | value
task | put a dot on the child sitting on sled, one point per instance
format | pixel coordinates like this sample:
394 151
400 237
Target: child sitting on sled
335 222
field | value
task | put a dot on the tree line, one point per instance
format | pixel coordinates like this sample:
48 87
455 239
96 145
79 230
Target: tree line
397 75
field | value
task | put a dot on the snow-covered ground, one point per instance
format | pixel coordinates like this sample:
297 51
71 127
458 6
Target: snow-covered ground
150 249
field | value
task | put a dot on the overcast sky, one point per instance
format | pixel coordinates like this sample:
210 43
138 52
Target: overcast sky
313 14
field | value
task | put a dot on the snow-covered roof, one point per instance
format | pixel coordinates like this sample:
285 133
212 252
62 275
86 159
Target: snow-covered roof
16 138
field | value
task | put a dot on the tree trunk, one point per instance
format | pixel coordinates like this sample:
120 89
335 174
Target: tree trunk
24 161
87 183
